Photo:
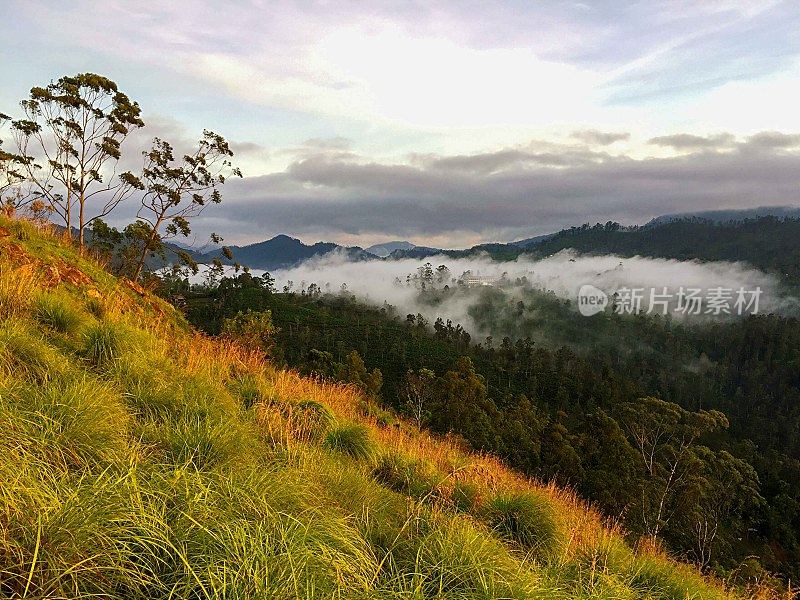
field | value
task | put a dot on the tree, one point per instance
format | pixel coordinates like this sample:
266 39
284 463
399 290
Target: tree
76 127
253 329
12 177
664 435
729 491
418 391
177 191
353 370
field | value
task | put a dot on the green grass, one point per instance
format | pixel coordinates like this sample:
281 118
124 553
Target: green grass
352 439
410 477
25 353
83 418
58 313
315 417
104 343
527 518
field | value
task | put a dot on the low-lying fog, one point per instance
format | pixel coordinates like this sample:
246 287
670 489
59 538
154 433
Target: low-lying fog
564 274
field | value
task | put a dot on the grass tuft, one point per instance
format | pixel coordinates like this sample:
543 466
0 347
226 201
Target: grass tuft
23 354
202 443
311 420
103 343
528 518
353 440
96 307
75 422
457 559
57 313
410 477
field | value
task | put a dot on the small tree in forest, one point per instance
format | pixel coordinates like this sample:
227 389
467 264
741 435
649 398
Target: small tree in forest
176 191
353 370
253 329
418 391
70 143
665 437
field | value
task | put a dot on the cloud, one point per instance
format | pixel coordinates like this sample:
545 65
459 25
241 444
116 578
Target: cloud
398 103
503 194
433 64
492 162
332 143
563 274
600 138
686 141
774 139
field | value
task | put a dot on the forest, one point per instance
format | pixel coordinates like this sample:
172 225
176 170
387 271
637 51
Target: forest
688 432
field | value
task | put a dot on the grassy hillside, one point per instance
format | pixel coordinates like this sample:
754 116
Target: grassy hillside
140 459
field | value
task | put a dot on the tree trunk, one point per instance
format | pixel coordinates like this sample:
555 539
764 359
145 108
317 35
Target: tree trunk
81 223
146 249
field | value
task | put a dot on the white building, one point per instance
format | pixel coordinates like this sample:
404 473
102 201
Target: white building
471 280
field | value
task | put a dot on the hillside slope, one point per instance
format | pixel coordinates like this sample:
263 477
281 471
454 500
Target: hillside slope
140 459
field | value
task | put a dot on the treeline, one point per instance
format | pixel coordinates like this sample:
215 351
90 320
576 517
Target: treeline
64 165
769 243
672 430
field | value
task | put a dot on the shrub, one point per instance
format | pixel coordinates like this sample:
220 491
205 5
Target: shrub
353 440
527 518
253 329
57 313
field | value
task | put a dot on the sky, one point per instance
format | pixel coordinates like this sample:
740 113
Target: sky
444 123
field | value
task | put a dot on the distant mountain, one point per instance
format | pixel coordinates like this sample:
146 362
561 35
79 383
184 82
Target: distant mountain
418 252
728 216
283 251
498 250
173 250
532 241
384 250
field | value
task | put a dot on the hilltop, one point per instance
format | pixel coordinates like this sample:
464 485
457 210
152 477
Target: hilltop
141 459
283 251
